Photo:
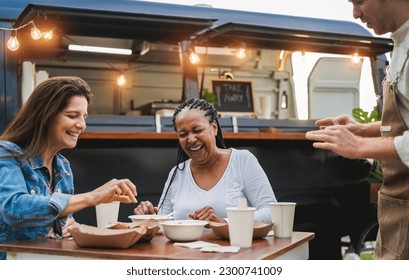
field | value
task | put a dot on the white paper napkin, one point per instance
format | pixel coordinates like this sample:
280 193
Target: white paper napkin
196 244
221 249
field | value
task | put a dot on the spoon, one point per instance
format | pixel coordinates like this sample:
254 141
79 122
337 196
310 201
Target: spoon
170 214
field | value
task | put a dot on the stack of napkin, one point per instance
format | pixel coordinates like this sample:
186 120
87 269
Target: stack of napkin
208 247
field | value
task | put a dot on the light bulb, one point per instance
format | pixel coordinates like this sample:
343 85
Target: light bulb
194 58
241 53
355 58
35 33
284 100
12 43
121 81
281 56
48 35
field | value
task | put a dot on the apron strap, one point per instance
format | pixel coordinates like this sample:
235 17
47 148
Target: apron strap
400 73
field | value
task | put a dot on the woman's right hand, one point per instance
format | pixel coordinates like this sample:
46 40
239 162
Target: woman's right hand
145 207
122 190
340 120
344 120
115 190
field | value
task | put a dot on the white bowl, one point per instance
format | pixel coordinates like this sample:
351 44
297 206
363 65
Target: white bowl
156 218
183 230
159 218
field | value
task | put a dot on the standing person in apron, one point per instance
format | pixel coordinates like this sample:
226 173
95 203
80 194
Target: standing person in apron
386 140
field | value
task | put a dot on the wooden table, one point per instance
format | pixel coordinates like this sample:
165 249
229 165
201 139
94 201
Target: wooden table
160 248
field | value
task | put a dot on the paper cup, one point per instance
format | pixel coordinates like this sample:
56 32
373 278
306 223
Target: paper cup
266 106
283 218
241 223
107 213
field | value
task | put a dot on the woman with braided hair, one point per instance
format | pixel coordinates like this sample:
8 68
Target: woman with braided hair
209 177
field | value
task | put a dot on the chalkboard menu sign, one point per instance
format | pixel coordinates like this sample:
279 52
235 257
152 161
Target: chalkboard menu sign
233 96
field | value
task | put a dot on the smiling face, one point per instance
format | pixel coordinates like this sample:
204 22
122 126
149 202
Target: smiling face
67 126
196 135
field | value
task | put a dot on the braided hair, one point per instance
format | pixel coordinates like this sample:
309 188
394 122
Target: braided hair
211 113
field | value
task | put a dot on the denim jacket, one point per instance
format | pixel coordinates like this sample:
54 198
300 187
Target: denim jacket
27 206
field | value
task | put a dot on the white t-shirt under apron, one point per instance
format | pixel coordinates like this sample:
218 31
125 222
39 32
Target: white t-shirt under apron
400 51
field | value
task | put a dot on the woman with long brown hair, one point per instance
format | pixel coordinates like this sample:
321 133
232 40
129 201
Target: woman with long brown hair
37 187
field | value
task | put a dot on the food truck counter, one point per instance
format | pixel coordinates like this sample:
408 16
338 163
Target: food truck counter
172 136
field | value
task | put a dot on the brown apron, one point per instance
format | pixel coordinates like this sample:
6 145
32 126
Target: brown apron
393 202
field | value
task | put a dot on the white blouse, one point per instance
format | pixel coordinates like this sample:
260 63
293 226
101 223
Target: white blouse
243 176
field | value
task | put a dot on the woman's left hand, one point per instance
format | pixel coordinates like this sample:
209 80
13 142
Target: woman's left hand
338 139
69 224
206 213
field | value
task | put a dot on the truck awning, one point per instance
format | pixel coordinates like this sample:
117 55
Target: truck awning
170 23
115 19
296 40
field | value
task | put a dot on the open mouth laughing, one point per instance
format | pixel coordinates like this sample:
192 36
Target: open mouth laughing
195 148
73 134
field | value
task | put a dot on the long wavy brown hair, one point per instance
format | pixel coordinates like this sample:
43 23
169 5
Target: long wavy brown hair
30 127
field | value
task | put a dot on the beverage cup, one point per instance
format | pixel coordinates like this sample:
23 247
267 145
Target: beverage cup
266 105
283 218
107 213
241 223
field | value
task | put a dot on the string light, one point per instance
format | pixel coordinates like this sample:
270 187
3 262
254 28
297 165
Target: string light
193 57
241 52
13 44
281 56
35 32
121 81
48 35
356 58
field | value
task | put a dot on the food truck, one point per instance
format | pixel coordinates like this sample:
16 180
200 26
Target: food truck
246 63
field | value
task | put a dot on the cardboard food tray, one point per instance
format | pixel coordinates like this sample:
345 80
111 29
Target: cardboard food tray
89 236
152 228
260 229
